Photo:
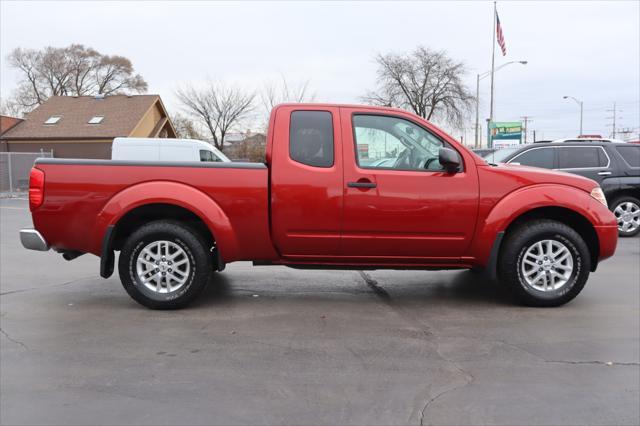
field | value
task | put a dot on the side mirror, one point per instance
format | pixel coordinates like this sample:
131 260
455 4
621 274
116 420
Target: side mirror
449 159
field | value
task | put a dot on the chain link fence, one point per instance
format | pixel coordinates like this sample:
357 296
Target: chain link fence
14 171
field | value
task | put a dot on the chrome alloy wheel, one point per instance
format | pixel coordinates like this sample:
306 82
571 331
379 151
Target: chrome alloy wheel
628 216
547 265
163 266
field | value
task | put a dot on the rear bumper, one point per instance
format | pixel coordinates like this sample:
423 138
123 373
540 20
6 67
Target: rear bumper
33 240
608 237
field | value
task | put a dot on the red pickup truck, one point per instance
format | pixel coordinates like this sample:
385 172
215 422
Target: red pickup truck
346 187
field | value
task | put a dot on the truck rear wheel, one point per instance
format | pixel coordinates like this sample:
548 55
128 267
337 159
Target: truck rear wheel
164 265
544 263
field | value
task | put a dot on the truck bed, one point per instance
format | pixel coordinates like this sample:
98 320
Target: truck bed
82 192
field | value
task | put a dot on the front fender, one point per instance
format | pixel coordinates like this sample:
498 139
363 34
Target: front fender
522 200
165 192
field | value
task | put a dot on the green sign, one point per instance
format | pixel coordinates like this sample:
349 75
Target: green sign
506 130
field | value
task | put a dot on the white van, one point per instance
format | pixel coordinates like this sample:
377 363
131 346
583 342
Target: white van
164 149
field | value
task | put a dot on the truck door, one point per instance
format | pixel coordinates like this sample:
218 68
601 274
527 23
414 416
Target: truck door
306 182
399 203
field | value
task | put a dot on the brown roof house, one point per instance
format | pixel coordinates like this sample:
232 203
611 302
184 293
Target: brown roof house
84 126
7 122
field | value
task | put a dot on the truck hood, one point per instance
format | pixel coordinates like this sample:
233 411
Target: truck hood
537 175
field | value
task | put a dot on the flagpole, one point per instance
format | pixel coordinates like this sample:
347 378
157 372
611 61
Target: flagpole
493 61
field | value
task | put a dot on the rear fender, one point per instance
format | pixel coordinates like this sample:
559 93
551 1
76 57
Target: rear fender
166 192
520 202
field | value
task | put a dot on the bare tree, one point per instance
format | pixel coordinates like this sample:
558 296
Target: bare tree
185 127
114 74
217 107
11 108
274 93
425 81
73 70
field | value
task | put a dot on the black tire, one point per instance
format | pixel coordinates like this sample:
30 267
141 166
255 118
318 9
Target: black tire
511 263
197 271
618 202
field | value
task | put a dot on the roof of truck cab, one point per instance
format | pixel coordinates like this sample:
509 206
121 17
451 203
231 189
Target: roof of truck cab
329 105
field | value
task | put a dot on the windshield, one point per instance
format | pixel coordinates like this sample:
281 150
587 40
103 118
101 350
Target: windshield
500 155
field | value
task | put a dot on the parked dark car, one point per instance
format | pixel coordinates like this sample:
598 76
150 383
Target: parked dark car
615 166
483 151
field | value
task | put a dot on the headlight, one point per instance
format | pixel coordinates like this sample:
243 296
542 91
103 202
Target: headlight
599 195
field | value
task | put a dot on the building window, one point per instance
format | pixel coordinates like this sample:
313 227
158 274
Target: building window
96 119
53 119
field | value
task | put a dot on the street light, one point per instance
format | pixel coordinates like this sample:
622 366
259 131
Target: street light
480 77
579 103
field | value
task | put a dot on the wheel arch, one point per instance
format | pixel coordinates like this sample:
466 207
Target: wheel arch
569 217
158 200
563 203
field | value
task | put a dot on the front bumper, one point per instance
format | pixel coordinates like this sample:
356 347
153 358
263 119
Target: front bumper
608 237
33 240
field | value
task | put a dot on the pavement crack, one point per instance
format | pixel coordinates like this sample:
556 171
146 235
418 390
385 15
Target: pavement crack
607 363
24 290
373 285
425 409
468 378
427 334
551 361
11 339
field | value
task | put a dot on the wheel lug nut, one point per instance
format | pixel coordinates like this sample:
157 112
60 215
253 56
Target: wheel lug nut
164 273
163 259
157 262
539 262
169 269
539 269
170 262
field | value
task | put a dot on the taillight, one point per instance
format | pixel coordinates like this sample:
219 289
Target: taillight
36 188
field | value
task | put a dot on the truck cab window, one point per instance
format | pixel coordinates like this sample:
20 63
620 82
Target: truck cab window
385 142
311 138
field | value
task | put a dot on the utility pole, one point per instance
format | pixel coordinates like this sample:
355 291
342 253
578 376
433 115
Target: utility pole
626 132
493 62
579 102
534 136
527 119
613 118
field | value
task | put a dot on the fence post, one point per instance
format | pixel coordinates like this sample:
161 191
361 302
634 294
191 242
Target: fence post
10 173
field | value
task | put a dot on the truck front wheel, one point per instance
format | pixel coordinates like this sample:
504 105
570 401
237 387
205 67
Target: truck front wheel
544 263
164 265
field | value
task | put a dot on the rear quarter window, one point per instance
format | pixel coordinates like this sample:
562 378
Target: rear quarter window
630 154
311 138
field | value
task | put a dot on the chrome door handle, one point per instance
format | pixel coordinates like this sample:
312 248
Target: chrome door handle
604 173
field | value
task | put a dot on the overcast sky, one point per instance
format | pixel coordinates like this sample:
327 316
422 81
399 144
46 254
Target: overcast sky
589 50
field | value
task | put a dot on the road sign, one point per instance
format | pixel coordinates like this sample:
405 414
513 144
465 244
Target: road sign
506 130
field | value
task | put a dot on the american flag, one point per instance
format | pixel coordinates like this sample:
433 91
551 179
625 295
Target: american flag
500 36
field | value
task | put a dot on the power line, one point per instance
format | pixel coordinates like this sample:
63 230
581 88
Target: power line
613 119
527 119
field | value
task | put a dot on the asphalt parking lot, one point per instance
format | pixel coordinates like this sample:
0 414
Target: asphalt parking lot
271 345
